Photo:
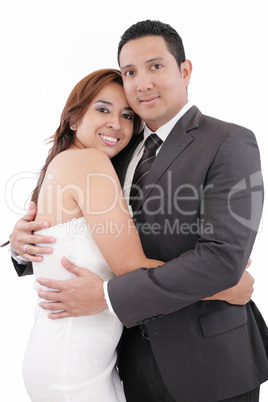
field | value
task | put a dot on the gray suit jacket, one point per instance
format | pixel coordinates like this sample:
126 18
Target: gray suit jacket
199 212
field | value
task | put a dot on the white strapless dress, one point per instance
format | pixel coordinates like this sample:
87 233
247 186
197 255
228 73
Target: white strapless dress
73 359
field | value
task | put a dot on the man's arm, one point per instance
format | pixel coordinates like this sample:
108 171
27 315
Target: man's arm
22 235
232 206
84 295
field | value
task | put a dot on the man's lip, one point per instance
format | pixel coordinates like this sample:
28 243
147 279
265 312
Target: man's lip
150 100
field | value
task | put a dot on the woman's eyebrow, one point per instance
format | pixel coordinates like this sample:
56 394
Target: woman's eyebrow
103 101
110 103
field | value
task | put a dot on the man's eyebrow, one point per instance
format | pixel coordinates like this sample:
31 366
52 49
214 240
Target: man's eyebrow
127 66
155 59
146 62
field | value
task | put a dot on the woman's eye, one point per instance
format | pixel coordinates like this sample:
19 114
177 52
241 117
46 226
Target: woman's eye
103 110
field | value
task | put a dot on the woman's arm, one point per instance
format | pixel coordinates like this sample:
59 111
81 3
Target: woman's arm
99 196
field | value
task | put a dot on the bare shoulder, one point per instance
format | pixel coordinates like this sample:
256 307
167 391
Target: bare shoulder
70 158
69 163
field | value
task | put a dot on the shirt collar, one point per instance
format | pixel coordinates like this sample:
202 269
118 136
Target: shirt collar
164 130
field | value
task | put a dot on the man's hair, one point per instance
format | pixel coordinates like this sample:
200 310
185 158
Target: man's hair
155 28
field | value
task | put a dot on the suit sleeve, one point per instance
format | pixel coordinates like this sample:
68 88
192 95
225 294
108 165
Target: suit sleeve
231 206
22 269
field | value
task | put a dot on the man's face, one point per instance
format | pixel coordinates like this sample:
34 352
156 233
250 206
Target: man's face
154 85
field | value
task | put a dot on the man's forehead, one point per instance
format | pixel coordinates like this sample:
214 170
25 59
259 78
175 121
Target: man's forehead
146 49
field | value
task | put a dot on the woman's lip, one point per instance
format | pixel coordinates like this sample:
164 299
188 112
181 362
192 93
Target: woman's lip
109 139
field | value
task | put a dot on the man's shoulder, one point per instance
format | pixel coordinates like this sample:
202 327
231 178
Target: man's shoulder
215 130
221 124
195 119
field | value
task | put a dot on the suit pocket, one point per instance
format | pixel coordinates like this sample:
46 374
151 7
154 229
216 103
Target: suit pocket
222 321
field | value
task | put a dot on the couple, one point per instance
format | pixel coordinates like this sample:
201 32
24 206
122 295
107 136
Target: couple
175 345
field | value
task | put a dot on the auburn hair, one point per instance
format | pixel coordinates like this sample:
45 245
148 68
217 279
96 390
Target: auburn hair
74 110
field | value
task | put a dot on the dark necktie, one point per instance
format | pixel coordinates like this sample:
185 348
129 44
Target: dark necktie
151 145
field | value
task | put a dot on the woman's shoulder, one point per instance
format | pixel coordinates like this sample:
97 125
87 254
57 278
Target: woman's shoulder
78 154
87 155
73 161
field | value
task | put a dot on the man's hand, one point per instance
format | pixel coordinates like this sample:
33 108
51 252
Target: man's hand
239 294
22 235
80 296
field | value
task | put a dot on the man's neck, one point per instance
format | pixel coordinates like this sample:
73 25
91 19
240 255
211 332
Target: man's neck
165 129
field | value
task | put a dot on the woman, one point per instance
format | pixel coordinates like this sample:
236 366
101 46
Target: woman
79 194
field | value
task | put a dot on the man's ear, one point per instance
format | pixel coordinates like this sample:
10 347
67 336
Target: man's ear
186 71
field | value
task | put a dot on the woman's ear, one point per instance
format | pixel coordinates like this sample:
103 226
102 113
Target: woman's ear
73 126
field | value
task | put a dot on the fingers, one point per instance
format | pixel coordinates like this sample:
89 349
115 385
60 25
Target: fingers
30 215
23 229
52 296
57 316
52 306
249 263
51 284
56 309
33 252
33 226
250 279
22 235
32 258
37 239
78 271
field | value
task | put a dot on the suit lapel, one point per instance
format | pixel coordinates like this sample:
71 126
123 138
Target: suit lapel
177 141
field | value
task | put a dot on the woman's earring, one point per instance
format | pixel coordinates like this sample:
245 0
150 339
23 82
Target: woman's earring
74 127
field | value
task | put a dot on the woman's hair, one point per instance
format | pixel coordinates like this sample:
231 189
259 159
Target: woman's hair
74 110
155 28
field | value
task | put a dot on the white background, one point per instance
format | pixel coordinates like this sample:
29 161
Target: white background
48 46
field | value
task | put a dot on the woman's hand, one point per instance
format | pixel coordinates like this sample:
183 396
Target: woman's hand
239 294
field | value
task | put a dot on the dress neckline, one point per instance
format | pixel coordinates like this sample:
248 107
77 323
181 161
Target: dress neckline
59 225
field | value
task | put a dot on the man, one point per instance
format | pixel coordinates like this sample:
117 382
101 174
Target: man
194 211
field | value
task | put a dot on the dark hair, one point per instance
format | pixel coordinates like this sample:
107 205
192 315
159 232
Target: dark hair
75 109
155 28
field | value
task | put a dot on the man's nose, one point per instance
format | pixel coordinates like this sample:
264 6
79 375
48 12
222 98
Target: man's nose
144 82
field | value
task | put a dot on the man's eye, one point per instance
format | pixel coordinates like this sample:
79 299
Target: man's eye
129 72
157 66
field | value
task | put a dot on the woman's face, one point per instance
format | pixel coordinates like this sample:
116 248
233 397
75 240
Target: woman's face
108 122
